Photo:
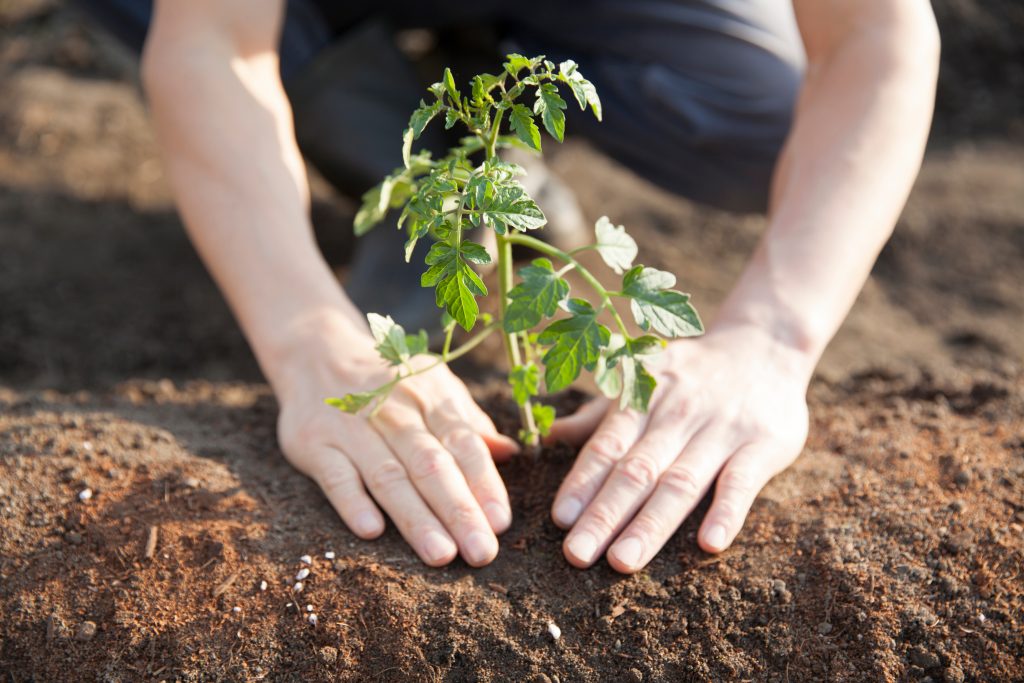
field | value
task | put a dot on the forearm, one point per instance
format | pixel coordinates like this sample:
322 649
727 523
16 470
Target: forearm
855 148
224 126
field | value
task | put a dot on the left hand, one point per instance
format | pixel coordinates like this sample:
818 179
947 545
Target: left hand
731 405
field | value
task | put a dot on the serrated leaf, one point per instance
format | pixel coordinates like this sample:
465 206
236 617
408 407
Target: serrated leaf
525 381
511 207
551 106
456 284
655 305
607 375
538 295
637 385
543 417
614 244
521 120
582 89
475 253
516 63
393 344
575 344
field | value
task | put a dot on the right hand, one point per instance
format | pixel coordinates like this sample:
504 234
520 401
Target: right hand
427 457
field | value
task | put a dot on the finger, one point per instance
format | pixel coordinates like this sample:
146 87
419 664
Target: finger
435 474
680 488
628 484
501 447
388 481
617 433
740 481
477 465
576 428
340 482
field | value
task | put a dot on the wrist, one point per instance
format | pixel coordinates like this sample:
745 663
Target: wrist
774 341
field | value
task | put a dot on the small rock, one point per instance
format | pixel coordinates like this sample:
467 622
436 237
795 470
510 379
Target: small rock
312 619
824 628
329 555
263 585
555 632
953 674
191 483
540 678
780 591
963 478
923 658
635 675
55 627
298 587
73 537
236 609
85 631
958 506
309 608
328 654
306 559
303 573
84 495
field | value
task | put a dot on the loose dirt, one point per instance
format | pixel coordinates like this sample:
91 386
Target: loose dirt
893 550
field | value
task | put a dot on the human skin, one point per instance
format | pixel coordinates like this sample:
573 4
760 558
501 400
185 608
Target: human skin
730 405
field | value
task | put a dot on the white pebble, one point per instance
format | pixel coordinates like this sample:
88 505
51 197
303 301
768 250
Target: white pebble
312 619
87 445
288 605
309 608
236 609
329 555
982 618
84 495
303 573
263 585
306 559
553 629
298 587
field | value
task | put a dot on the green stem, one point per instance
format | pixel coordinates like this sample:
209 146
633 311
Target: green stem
512 340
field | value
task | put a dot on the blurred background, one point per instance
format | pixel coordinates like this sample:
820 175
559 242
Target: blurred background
98 283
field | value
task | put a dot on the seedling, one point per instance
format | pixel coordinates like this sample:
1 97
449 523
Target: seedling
472 188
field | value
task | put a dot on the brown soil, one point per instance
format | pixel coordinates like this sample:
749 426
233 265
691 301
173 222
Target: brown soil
892 550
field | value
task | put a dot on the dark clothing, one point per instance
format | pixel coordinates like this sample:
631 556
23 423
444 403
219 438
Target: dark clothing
698 94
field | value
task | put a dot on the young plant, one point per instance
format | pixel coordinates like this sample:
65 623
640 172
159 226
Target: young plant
473 188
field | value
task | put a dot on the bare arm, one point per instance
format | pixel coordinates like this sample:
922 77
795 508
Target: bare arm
731 406
224 126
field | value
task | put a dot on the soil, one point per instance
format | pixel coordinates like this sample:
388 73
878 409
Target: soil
893 550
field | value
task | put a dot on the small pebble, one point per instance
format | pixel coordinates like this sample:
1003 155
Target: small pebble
303 573
555 632
85 631
309 608
263 585
288 604
824 628
329 555
306 559
953 674
73 537
298 587
328 654
236 609
84 495
635 675
191 483
87 445
312 619
963 478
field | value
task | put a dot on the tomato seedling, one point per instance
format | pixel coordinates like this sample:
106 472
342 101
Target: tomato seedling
446 198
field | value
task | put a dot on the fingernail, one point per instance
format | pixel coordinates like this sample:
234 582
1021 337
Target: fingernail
582 546
567 511
367 523
628 551
436 547
715 537
480 548
498 515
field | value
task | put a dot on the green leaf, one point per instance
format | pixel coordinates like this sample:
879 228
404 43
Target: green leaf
524 126
655 305
449 85
457 284
511 207
353 403
607 375
620 372
575 344
637 385
475 253
615 246
525 381
536 297
582 89
551 108
417 122
544 417
516 63
393 344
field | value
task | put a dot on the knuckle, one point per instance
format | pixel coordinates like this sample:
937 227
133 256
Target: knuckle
463 514
386 475
334 482
735 483
462 441
606 448
648 527
428 462
640 470
681 482
601 521
299 438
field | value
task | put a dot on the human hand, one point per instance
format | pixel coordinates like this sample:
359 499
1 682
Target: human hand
731 405
426 457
